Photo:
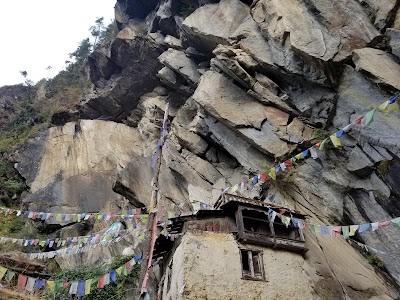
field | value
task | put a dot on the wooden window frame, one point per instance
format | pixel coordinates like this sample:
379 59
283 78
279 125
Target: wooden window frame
252 275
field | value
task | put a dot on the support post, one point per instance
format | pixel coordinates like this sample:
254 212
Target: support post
151 234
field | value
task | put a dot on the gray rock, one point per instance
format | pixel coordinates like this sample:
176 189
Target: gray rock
137 60
180 63
313 29
227 102
381 12
394 40
199 27
356 96
378 65
100 66
359 163
246 154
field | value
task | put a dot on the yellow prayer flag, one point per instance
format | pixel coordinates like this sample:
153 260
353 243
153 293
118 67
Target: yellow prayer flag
234 188
383 106
87 286
78 217
58 217
335 140
298 156
3 272
50 284
119 270
272 173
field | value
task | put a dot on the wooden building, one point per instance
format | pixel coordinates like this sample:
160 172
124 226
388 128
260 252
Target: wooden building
240 250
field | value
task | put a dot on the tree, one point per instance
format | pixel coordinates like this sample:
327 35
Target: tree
48 71
83 51
97 29
28 83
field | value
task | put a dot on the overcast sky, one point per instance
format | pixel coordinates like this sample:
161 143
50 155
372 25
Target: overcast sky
40 33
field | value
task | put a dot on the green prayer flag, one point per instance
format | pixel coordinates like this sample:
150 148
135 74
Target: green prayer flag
345 231
322 146
368 118
58 285
9 276
396 221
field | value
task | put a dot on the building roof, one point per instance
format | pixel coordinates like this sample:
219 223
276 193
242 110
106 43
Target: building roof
228 200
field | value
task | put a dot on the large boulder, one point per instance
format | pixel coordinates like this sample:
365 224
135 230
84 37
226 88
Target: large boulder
380 66
76 165
136 66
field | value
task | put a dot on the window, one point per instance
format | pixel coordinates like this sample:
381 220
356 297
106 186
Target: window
252 265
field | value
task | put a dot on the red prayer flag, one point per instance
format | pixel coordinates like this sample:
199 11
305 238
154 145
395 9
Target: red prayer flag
288 163
100 282
336 231
128 265
383 223
65 285
281 211
22 279
359 121
264 177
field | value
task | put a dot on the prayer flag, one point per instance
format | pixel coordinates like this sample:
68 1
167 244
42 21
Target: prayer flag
272 173
234 188
39 283
88 282
288 163
369 118
392 100
10 275
336 141
375 226
345 231
107 279
51 284
22 279
339 133
3 272
324 230
263 177
299 156
383 224
336 231
277 169
305 153
322 145
119 270
396 221
294 163
283 166
81 288
314 153
113 276
255 180
30 284
358 121
353 229
363 227
74 288
100 282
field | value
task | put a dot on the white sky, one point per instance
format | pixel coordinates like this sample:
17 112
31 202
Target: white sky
35 34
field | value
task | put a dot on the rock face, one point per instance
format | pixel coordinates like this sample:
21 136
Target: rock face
75 165
249 84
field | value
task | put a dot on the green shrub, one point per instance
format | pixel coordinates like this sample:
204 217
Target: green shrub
114 290
376 261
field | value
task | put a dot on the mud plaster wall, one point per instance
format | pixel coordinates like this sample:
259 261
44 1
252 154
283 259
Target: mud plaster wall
207 266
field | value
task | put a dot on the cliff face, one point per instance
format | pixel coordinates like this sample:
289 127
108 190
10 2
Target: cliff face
248 83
